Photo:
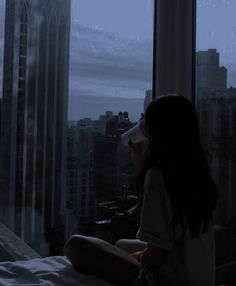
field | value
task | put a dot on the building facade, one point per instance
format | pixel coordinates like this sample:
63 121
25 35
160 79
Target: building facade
81 197
34 118
148 98
210 76
113 172
219 132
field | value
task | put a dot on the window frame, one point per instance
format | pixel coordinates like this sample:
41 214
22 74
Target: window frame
165 77
182 39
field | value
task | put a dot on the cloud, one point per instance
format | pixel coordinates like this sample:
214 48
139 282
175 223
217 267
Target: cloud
108 63
102 64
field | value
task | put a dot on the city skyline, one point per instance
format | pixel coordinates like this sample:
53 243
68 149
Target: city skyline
61 174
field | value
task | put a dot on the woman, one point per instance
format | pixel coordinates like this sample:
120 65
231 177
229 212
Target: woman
175 241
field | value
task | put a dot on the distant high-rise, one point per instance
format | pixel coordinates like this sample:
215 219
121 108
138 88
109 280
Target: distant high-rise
209 75
80 178
219 133
112 159
148 98
34 117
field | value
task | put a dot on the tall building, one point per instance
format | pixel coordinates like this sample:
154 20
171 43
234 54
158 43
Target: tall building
148 98
106 167
70 211
34 117
113 174
80 178
210 76
86 200
218 130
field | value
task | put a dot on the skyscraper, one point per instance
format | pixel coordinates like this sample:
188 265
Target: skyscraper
210 76
148 98
34 116
112 160
80 177
219 132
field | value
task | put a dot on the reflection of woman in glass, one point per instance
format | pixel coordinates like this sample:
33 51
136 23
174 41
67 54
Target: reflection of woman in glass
175 241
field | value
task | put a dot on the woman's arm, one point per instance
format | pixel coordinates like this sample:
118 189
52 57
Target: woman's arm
131 245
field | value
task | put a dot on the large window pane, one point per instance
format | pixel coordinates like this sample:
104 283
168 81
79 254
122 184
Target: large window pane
216 102
74 76
110 76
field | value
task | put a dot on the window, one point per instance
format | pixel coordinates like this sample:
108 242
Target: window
23 50
21 84
23 28
216 104
23 39
22 62
53 140
22 72
111 74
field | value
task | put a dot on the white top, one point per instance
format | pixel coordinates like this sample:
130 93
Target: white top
190 261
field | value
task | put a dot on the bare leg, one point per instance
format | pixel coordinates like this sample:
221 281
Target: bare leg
131 245
94 256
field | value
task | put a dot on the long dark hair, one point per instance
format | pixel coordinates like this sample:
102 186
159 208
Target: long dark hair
174 145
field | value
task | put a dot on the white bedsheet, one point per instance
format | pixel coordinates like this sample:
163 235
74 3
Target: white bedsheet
50 271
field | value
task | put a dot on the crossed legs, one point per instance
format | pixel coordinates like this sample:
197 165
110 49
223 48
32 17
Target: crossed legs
94 256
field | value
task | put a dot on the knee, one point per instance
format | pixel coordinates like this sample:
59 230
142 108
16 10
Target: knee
121 243
76 243
76 249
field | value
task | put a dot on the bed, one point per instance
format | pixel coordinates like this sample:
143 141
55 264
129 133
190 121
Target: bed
50 271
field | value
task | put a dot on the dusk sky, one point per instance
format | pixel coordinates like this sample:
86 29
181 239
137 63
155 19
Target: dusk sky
111 51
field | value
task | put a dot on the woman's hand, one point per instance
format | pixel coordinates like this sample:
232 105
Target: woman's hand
137 255
137 151
152 256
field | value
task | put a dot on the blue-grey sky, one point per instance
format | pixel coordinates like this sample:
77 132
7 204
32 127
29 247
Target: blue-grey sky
132 18
111 50
216 27
115 39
